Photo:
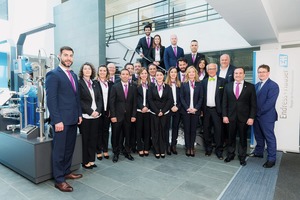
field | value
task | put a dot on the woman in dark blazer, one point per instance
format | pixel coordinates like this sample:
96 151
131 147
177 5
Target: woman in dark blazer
143 115
104 120
201 68
160 101
173 81
156 54
91 105
191 96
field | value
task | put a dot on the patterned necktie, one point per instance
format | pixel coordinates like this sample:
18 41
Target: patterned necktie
237 90
125 90
175 51
71 80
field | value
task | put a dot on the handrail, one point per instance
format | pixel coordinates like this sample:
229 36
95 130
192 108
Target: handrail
170 19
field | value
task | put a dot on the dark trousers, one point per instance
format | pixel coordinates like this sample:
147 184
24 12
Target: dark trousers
264 134
133 136
89 131
121 132
212 118
158 133
102 140
173 121
190 122
235 128
143 131
63 145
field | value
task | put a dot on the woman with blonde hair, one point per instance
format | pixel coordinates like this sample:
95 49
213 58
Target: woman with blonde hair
191 96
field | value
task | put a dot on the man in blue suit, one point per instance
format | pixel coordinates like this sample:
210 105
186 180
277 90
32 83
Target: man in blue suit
267 92
65 113
172 53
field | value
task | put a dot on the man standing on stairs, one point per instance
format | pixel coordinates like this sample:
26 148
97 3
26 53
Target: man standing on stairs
145 43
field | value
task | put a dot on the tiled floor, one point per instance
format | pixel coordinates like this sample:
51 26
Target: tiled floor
175 177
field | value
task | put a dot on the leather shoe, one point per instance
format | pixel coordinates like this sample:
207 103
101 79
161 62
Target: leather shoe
207 153
220 157
115 158
162 155
188 153
157 156
173 150
146 153
243 162
228 159
87 167
255 155
64 187
94 165
73 176
129 157
269 164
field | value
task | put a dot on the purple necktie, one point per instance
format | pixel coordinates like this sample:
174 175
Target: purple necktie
192 84
148 42
237 90
159 87
125 90
72 80
111 79
183 77
153 80
193 58
175 51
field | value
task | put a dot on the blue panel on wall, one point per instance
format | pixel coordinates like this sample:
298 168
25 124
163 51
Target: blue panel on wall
3 70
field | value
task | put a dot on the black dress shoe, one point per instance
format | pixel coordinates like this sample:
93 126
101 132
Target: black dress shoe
220 157
173 150
115 158
207 153
99 158
255 155
269 164
228 159
188 153
129 157
87 167
243 162
94 165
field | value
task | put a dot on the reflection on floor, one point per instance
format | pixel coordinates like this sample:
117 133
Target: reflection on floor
175 177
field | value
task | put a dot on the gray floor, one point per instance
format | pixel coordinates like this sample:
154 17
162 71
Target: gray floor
175 177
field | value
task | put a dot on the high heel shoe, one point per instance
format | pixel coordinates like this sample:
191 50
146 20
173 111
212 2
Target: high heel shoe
162 155
188 153
87 167
106 156
146 153
157 156
99 156
141 153
193 152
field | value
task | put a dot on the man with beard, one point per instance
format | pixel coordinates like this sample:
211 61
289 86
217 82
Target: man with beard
182 65
65 112
145 43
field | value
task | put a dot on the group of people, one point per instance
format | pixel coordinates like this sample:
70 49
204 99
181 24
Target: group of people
143 104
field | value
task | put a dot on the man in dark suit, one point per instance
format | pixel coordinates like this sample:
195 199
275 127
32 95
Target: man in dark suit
238 110
213 88
182 66
267 92
172 53
226 69
145 43
63 102
112 73
123 113
194 57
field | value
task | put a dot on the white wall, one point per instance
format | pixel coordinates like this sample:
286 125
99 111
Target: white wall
27 15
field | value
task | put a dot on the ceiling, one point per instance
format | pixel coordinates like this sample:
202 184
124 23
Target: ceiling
260 21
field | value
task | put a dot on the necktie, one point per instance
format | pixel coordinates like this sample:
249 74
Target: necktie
104 83
89 83
153 80
183 78
173 83
259 86
111 79
125 90
193 84
71 80
145 85
237 90
148 42
211 79
193 58
175 51
159 87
